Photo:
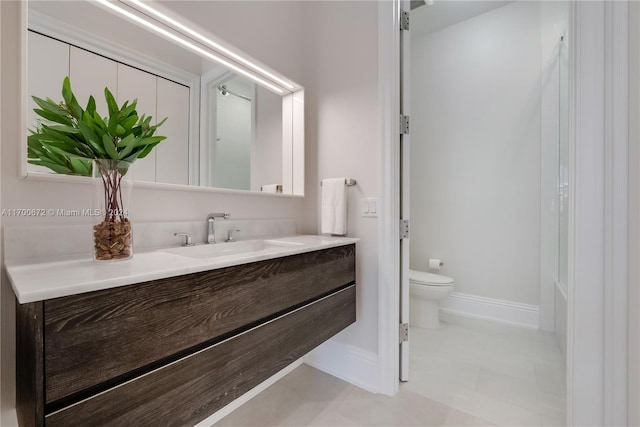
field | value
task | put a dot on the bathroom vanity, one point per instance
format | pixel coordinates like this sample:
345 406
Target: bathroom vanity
173 349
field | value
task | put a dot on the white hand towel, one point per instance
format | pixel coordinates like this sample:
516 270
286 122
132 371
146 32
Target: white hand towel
334 206
271 188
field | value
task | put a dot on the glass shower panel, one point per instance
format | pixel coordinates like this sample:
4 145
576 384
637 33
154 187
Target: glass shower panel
563 169
234 134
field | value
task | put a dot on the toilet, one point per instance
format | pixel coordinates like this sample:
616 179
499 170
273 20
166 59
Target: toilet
425 290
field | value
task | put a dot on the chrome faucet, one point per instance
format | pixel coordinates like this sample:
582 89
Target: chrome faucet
187 237
211 219
230 237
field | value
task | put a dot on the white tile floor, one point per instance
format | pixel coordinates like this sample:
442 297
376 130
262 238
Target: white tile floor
467 373
503 374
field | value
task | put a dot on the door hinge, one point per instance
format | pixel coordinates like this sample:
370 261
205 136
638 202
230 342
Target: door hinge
404 124
404 228
404 332
404 21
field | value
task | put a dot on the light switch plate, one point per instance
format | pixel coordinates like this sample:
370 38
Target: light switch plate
370 207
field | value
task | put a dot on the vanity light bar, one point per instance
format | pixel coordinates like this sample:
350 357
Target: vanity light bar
188 45
162 16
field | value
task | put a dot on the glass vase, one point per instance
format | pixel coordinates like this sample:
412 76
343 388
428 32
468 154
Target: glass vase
112 233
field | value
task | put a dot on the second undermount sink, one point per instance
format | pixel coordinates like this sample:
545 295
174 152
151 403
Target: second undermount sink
229 248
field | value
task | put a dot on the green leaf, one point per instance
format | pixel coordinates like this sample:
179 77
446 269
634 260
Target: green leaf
127 111
91 105
50 105
62 128
53 117
133 157
52 140
148 141
147 150
161 122
91 138
109 147
99 121
53 156
145 121
61 169
60 152
113 125
152 129
111 102
81 167
129 122
87 118
70 99
126 142
52 110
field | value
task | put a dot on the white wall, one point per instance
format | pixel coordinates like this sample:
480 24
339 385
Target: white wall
278 46
475 178
341 100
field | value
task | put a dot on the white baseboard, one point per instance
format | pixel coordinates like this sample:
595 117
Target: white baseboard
514 313
223 412
354 365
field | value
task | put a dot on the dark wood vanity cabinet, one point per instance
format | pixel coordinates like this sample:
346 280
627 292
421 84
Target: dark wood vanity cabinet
175 350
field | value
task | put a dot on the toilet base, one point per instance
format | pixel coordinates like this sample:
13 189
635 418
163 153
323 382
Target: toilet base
424 313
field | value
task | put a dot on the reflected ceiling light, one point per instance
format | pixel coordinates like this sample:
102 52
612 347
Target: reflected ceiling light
162 16
188 44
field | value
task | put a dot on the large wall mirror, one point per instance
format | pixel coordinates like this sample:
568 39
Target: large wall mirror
231 123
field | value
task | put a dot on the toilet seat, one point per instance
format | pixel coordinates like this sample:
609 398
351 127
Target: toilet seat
429 279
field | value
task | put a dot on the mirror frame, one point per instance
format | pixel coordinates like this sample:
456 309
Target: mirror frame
295 97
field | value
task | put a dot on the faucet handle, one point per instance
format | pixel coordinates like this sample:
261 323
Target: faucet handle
230 235
223 215
187 241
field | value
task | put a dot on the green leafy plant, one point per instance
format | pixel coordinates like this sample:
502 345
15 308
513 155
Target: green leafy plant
72 140
73 136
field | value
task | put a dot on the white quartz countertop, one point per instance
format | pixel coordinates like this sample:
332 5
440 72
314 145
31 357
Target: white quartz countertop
38 280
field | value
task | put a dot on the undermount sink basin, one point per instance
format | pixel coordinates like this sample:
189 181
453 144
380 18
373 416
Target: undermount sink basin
229 248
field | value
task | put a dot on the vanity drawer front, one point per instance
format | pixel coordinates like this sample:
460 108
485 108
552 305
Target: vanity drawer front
193 388
98 339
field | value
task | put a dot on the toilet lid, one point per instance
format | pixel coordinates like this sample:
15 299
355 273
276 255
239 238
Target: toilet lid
425 278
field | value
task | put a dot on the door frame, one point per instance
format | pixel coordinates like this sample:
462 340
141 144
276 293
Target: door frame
404 189
597 313
389 208
634 217
597 347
